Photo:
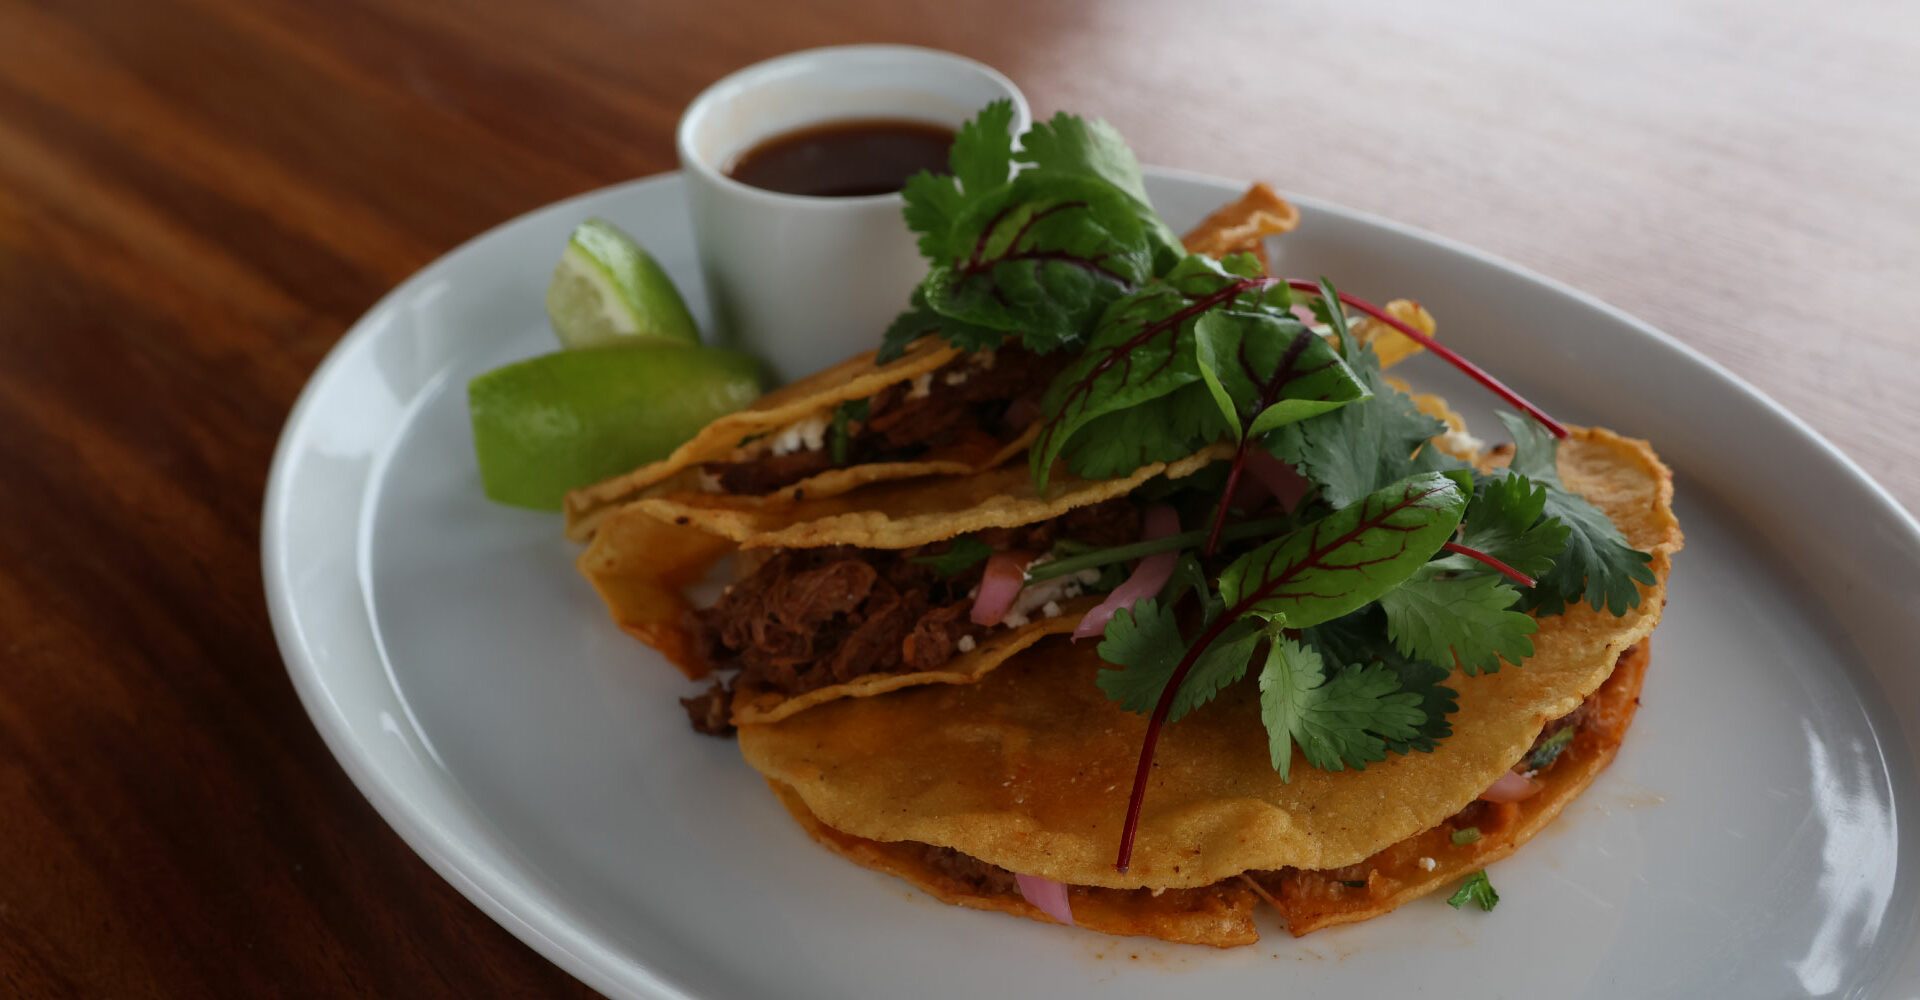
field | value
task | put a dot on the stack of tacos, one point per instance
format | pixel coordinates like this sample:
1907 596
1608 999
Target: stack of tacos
901 667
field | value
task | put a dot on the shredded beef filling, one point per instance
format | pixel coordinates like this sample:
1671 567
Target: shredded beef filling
807 618
963 400
1572 720
710 711
770 472
975 874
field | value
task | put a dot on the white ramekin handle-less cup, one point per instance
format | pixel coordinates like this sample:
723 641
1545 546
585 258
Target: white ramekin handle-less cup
804 281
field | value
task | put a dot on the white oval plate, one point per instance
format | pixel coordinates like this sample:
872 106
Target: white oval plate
1745 844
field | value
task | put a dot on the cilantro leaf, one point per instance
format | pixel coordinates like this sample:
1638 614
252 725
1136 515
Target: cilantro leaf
1144 642
1033 256
1040 258
1549 749
1465 835
1363 446
1069 144
980 159
965 553
933 203
1476 890
1506 519
1597 563
1444 617
1337 722
920 320
1361 638
1349 558
1072 144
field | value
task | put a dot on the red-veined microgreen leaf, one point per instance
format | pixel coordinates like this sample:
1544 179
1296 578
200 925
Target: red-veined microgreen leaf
1040 258
1349 558
1141 350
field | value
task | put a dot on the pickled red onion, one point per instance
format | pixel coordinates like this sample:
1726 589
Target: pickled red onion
1000 583
1512 787
1047 896
1148 576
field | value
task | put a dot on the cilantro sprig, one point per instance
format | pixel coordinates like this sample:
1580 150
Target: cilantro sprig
1596 563
1032 255
1309 576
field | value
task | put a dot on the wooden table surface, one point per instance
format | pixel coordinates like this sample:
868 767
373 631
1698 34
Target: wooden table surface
197 197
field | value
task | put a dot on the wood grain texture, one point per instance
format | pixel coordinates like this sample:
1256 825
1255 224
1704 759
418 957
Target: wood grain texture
198 196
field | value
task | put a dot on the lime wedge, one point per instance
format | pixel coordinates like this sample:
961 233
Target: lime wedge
607 289
549 424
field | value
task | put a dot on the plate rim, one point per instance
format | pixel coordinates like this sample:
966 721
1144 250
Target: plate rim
522 909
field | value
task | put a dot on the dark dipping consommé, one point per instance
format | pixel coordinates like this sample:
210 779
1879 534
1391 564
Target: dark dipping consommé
845 159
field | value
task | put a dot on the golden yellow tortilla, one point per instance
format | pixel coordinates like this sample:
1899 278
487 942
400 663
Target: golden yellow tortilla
1311 900
1028 769
1221 917
1221 914
814 396
1389 344
1243 226
755 706
1240 226
903 514
641 568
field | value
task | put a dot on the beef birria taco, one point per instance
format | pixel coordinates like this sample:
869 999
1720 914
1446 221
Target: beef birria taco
932 410
1327 650
964 791
882 592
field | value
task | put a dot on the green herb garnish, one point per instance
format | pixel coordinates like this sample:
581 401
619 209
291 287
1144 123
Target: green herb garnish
1208 352
838 435
1394 566
1550 749
1466 835
1032 256
965 553
1310 576
1596 563
1476 890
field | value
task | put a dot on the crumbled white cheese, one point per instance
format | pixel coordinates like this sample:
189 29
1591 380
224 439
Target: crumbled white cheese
983 360
1428 864
709 483
805 435
1045 596
958 378
966 644
922 384
1460 443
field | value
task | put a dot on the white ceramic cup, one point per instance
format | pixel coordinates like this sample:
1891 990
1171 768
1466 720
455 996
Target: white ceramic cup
804 281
